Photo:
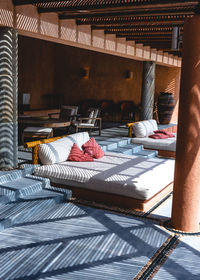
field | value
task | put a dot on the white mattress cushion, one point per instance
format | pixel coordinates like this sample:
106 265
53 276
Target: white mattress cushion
38 129
86 124
120 174
59 150
144 128
168 144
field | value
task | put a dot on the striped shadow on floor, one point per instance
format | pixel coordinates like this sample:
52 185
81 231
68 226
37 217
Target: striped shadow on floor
87 244
183 262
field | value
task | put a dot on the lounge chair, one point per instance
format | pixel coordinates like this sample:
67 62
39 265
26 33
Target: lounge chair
92 122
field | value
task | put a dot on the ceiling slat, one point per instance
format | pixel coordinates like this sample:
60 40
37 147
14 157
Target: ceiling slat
145 21
138 20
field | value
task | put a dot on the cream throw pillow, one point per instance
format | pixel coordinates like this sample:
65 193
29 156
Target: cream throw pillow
144 128
59 150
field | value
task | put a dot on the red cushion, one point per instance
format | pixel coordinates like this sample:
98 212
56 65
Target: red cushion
169 134
77 155
92 148
158 136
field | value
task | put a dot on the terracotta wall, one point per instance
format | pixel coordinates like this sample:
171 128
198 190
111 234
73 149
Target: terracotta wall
168 80
107 76
52 74
36 70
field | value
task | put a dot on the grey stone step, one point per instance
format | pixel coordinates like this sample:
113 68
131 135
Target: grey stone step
147 153
19 188
23 186
47 186
6 195
67 193
16 212
100 138
107 146
24 196
123 150
112 143
121 141
135 147
44 194
8 176
123 145
4 199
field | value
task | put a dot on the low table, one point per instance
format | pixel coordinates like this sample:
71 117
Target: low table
52 123
37 122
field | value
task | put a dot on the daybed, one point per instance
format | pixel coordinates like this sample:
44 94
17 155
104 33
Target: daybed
142 130
115 179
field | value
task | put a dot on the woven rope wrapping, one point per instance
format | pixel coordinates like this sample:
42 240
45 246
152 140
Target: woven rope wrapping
35 146
148 90
8 98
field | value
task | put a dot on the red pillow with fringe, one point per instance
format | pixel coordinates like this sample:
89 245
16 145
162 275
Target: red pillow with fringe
158 136
92 148
77 155
168 134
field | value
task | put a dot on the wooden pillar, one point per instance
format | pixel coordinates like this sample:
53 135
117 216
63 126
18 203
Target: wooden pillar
186 198
148 90
8 98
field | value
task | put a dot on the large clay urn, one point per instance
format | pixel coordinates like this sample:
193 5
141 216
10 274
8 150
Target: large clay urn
165 107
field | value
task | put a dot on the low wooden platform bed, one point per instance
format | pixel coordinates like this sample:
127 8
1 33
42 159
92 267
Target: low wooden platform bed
141 131
115 179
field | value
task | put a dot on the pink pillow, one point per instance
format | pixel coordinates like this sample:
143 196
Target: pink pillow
158 136
92 148
77 155
169 134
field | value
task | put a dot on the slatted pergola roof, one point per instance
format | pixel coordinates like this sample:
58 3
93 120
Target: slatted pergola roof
149 22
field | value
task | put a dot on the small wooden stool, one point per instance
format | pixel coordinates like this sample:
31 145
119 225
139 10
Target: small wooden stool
37 132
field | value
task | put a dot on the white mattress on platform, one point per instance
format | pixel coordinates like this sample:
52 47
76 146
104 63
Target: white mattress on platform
129 176
168 144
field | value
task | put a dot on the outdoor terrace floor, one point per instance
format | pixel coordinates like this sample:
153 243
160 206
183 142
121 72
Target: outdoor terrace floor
75 241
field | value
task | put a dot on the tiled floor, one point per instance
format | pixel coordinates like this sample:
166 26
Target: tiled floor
81 243
76 242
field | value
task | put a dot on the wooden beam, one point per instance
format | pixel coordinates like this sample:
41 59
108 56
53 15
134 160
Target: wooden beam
33 2
141 32
156 13
133 20
148 39
145 36
136 26
118 7
106 3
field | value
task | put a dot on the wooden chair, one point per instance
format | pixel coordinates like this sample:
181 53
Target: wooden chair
92 122
67 113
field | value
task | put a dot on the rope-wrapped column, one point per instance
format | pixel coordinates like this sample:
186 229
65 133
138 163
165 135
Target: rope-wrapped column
148 90
8 98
